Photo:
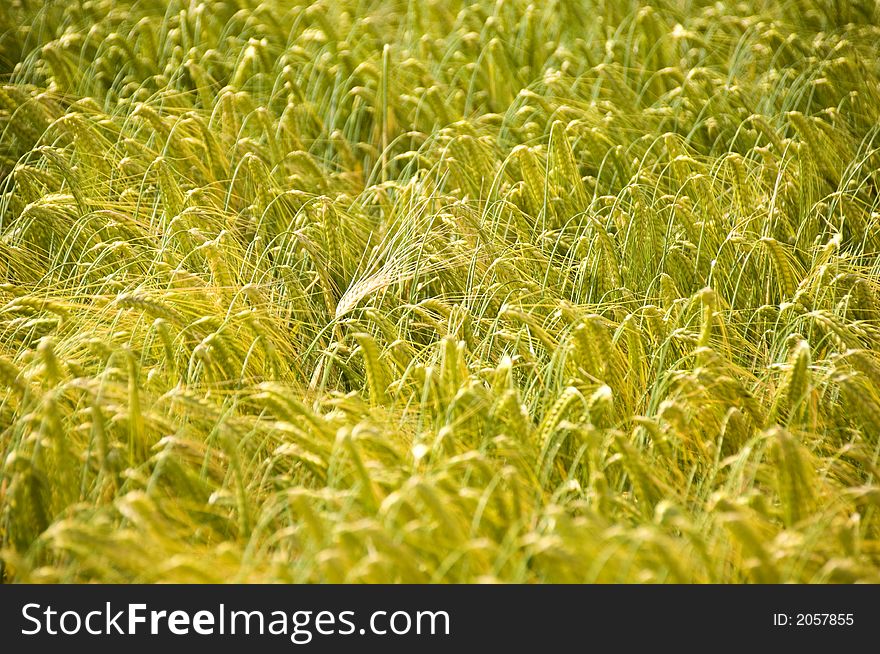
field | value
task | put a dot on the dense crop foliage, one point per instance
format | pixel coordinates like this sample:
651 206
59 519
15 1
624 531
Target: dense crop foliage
429 291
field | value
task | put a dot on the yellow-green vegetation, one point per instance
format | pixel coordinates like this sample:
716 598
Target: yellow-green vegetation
426 291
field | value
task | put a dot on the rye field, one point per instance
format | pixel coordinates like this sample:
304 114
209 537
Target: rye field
434 291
